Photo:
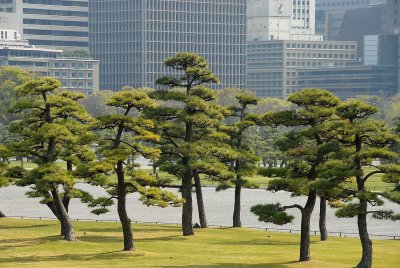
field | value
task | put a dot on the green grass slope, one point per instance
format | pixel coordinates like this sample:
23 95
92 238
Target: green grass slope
29 243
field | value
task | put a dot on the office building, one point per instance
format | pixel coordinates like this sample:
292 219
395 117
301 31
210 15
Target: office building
272 66
391 17
398 64
376 75
77 74
281 20
351 81
7 6
339 15
343 5
131 38
57 24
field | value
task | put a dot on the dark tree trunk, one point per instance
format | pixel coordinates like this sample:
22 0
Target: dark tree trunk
200 202
322 219
69 165
366 243
187 208
305 227
154 169
236 210
123 215
66 225
52 207
2 215
264 161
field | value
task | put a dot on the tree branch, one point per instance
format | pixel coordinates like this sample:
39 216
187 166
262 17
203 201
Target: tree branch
293 206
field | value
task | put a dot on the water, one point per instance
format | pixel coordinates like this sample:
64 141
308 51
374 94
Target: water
219 209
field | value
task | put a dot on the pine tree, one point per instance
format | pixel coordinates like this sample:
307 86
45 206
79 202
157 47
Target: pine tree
49 125
188 121
245 161
4 179
126 135
365 140
308 145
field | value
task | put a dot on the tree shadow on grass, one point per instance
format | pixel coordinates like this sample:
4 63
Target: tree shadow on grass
262 242
26 242
118 239
25 226
232 265
115 255
135 228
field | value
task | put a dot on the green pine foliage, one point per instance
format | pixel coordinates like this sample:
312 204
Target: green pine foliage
308 146
188 121
53 127
126 136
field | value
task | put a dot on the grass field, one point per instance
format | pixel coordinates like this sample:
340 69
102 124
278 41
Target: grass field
28 243
374 183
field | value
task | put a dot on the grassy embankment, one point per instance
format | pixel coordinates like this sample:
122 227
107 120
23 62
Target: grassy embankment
28 243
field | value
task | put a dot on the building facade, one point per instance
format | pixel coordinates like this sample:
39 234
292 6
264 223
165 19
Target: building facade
351 81
391 17
76 74
272 66
57 24
377 74
338 16
343 5
281 20
132 38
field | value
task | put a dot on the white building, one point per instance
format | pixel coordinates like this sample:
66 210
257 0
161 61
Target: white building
281 20
52 24
343 5
75 74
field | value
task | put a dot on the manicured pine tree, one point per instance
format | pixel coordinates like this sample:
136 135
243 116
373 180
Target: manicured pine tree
50 121
4 179
188 122
245 161
125 135
366 140
309 147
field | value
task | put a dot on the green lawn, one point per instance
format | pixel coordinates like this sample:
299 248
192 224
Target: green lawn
29 243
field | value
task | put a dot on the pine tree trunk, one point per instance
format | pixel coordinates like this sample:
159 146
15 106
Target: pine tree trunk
53 209
2 215
236 210
67 228
322 219
123 215
366 243
187 208
305 227
200 202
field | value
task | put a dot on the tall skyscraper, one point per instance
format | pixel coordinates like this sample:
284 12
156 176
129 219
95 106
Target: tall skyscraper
51 23
131 38
281 20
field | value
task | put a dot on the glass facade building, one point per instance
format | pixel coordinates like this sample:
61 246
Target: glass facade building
51 23
131 38
351 81
272 66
